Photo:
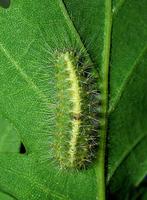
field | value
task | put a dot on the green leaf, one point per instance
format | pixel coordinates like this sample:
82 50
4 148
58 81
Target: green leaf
144 196
128 99
9 140
30 32
4 196
130 132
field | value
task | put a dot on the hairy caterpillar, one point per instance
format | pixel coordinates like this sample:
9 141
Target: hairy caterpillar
75 139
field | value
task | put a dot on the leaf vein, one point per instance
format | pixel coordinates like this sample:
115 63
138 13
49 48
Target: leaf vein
126 154
24 75
125 82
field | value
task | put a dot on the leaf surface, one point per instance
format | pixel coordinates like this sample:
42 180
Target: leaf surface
5 196
9 140
128 98
30 32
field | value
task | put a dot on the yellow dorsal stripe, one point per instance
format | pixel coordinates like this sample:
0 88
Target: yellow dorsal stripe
75 97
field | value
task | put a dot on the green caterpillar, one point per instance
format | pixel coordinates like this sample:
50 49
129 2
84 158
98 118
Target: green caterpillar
76 138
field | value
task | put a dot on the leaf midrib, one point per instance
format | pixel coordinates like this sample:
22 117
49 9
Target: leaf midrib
100 168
